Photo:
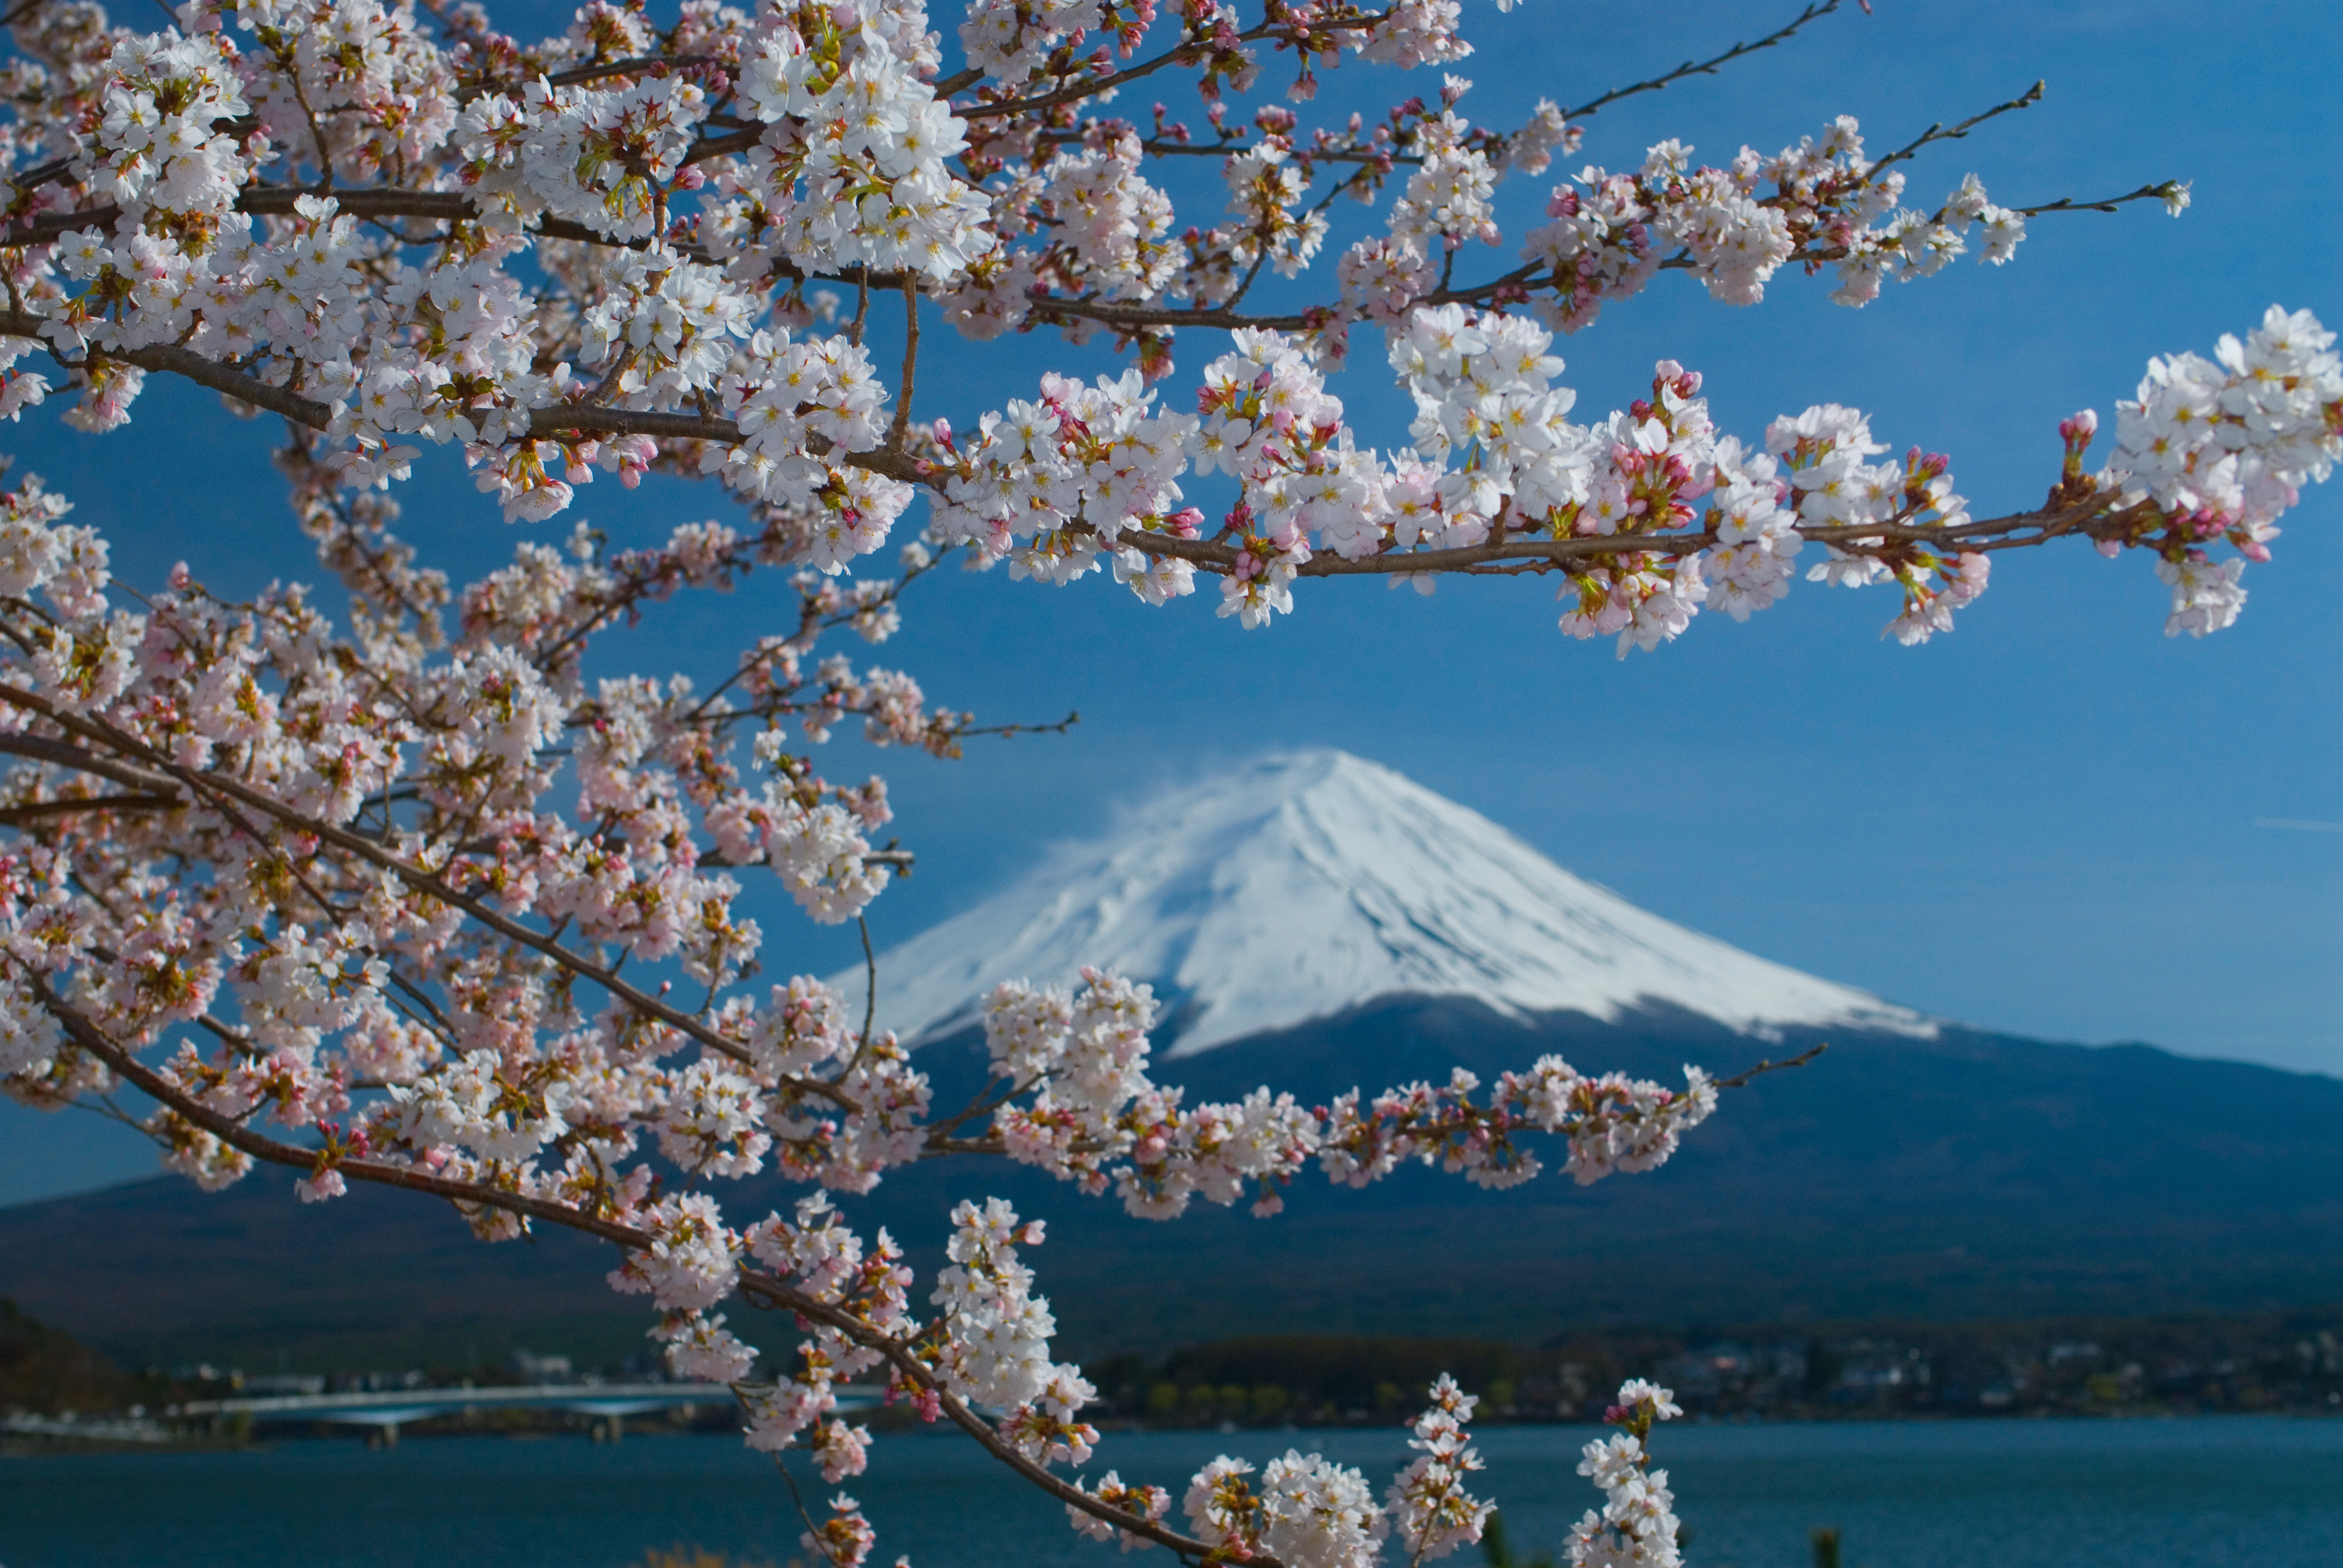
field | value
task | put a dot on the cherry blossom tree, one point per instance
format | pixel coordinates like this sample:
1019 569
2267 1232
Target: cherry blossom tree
412 902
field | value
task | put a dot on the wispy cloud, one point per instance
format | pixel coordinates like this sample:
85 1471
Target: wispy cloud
2299 826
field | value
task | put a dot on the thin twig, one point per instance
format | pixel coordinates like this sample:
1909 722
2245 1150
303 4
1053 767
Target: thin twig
1705 68
1183 53
1938 132
1741 1079
2165 192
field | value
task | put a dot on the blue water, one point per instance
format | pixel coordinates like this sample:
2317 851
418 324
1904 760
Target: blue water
2217 1492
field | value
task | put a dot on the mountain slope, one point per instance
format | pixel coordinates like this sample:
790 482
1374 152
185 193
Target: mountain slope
1303 886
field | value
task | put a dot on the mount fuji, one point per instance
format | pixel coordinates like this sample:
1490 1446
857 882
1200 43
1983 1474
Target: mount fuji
1304 887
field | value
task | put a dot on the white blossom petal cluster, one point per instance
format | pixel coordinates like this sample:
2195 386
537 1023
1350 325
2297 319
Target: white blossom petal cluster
1429 1507
1054 486
1637 1526
713 1121
1307 1511
997 1338
1611 1123
596 158
1007 39
852 126
1114 226
830 1264
2221 449
29 1033
1821 201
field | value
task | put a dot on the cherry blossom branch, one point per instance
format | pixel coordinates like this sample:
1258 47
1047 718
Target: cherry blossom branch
906 1362
1706 67
415 876
1939 132
773 1290
238 1136
1187 53
1741 1079
41 749
902 421
1996 533
2165 191
554 420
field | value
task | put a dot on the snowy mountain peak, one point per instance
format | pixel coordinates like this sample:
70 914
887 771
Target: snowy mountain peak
1305 885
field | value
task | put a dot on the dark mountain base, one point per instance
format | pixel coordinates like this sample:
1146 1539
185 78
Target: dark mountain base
1966 1177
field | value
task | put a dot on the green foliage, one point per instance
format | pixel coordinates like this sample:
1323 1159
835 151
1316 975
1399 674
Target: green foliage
1825 1542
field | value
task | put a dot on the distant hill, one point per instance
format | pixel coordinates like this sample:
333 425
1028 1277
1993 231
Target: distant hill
1961 1176
1316 923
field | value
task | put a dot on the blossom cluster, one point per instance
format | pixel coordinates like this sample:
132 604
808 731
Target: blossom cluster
1658 515
1637 1526
996 1337
1819 202
866 1288
2217 450
1095 1117
1305 1511
1053 485
1431 1510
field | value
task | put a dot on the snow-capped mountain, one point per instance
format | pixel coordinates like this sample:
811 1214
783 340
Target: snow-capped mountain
1303 886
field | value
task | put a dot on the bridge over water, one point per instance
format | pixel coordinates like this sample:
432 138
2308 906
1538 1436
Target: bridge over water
386 1411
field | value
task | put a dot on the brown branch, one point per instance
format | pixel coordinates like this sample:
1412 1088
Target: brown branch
1938 132
41 810
1236 147
780 1294
1741 1079
621 67
1216 555
57 752
370 203
2164 192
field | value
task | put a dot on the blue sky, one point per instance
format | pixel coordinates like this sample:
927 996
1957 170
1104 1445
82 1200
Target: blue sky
2043 823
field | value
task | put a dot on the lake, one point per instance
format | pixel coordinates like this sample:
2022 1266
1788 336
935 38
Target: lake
2208 1493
